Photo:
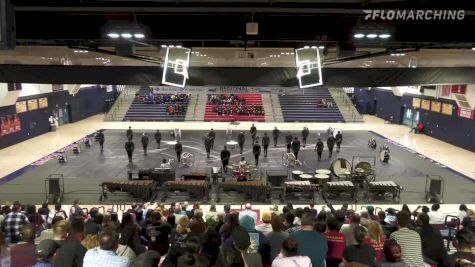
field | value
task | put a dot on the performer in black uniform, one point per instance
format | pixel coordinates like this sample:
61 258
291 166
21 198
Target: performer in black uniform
265 143
275 134
208 145
330 144
225 156
338 140
100 138
241 138
296 147
129 147
305 133
256 150
145 143
129 132
158 138
212 136
178 150
253 132
319 148
288 141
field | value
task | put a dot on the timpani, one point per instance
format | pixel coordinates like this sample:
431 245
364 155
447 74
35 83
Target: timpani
306 177
323 171
296 174
231 144
322 179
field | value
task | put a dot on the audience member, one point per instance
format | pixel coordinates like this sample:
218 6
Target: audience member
276 237
409 240
436 217
69 237
289 255
192 256
259 242
265 227
375 239
336 243
359 252
311 243
23 253
158 232
147 259
432 242
13 223
105 256
392 255
249 212
464 241
238 253
45 252
4 251
348 229
289 223
48 233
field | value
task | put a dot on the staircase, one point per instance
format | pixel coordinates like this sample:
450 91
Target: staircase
122 103
196 107
268 109
347 109
276 108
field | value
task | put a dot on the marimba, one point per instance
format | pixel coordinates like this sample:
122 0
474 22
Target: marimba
305 187
334 189
195 188
382 188
143 189
257 190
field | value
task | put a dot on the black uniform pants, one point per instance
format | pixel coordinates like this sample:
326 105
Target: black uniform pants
319 154
158 143
265 150
241 146
101 144
145 150
338 144
330 151
212 143
256 159
296 153
275 140
129 154
178 156
208 152
225 163
288 147
304 141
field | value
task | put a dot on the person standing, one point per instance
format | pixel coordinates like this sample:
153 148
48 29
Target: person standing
288 141
275 134
225 156
296 147
208 145
129 148
212 136
330 145
145 143
305 133
241 138
319 148
338 140
178 150
158 138
409 240
256 150
100 139
253 132
265 143
129 133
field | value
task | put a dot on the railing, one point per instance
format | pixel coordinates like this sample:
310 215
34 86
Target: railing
119 102
272 106
196 104
347 103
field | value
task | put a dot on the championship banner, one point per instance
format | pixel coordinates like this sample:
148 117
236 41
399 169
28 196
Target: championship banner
459 89
445 90
465 113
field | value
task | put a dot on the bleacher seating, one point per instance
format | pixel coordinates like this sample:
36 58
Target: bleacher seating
303 107
250 100
142 111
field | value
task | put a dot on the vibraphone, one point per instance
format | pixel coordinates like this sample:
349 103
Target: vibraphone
257 190
382 188
334 189
143 189
194 188
300 186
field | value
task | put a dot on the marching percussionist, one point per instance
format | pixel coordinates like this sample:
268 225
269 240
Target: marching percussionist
129 147
330 144
145 143
129 132
288 141
100 138
212 136
158 138
165 164
305 133
253 132
178 150
256 150
319 148
208 145
242 163
296 147
338 140
241 138
265 143
275 134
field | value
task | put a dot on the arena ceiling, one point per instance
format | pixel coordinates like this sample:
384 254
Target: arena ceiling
220 23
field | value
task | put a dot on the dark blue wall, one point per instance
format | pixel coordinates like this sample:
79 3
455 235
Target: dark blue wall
87 102
451 129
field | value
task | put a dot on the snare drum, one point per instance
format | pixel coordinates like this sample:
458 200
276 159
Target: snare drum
322 179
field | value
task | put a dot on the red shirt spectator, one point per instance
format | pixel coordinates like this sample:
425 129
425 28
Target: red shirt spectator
23 254
336 243
378 247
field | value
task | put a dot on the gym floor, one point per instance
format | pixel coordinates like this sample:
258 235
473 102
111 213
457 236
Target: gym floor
84 172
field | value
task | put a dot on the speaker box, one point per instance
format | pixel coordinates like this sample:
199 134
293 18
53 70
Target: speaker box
435 187
7 26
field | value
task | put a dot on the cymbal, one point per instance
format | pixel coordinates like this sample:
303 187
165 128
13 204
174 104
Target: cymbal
359 170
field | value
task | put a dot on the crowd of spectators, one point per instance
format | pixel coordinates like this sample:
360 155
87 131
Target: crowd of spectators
175 103
226 105
178 235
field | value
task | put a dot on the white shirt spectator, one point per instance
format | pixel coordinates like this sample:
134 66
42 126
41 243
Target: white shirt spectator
249 213
302 261
436 217
462 214
264 228
104 258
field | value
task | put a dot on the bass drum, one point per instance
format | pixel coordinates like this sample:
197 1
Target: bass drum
288 159
368 170
340 168
187 159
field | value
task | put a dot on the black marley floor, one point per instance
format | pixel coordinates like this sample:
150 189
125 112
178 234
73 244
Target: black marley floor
84 172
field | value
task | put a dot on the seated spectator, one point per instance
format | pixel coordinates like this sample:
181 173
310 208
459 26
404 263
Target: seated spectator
289 223
392 255
432 242
147 259
45 252
469 221
23 253
69 237
336 243
436 217
464 240
311 243
48 233
58 211
237 253
409 240
105 256
390 218
192 256
276 237
265 227
13 223
359 252
348 229
462 212
375 239
289 255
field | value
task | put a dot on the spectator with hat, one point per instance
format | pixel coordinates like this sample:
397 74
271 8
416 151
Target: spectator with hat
45 252
265 227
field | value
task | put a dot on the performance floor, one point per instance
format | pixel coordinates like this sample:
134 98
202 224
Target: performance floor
84 172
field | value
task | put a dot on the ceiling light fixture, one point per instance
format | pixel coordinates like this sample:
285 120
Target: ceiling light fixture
306 46
358 35
384 35
139 35
126 35
371 35
113 35
321 47
473 48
